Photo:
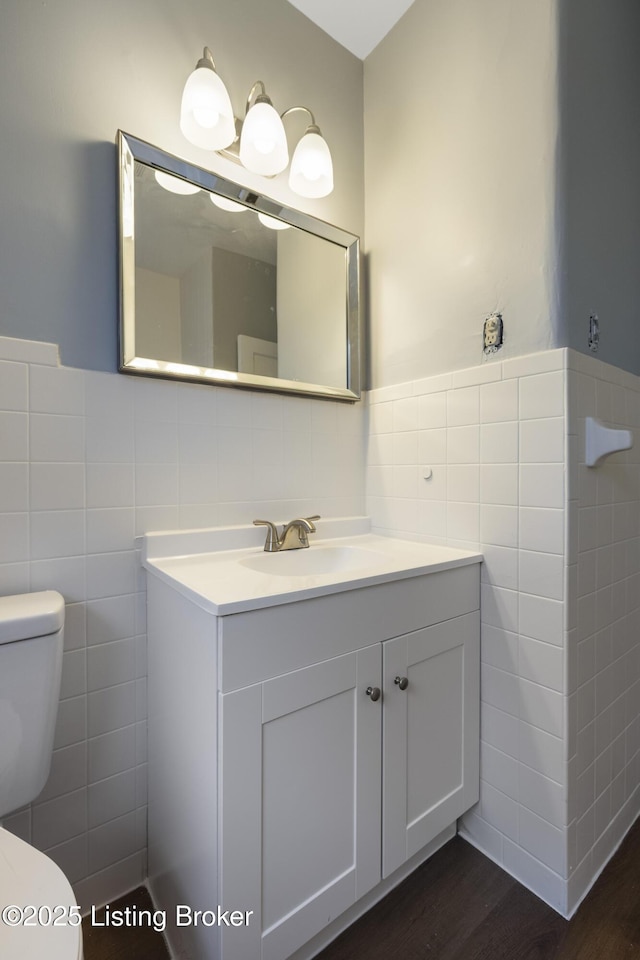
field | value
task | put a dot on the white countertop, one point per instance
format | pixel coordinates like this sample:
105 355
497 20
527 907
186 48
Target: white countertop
204 566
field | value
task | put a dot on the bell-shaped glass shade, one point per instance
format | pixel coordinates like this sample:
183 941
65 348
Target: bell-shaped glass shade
231 205
311 173
175 184
263 142
206 114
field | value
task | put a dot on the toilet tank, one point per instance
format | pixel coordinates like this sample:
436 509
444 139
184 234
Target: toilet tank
31 638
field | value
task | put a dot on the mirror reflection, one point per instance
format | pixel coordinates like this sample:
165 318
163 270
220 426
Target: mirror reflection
217 287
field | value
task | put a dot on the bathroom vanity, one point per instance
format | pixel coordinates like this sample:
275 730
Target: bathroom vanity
313 730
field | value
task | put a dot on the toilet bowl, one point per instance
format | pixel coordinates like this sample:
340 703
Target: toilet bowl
29 878
38 911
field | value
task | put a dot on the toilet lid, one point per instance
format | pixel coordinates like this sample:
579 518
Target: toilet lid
30 615
29 877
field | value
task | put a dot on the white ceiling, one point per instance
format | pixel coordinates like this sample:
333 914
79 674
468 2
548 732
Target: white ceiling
359 25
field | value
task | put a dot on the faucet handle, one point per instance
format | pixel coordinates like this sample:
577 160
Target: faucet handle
310 520
272 543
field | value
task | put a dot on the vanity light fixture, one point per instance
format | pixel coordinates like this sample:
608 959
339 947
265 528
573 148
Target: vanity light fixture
259 141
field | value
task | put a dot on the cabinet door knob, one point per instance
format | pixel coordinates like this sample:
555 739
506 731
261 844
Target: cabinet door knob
402 682
373 693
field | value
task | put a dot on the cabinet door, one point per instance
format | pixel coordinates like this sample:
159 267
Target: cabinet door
300 802
431 734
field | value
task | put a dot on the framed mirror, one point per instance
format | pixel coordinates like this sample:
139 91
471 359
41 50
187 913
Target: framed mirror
227 286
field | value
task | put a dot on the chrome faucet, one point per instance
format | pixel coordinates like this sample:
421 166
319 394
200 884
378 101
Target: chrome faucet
295 535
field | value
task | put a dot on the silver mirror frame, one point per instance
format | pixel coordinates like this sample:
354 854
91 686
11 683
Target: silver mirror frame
131 149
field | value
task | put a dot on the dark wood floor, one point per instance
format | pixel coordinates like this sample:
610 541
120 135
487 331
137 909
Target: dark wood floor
124 943
457 906
461 906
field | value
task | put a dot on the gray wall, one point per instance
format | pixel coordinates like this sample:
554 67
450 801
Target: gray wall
73 73
599 188
460 176
311 284
502 172
244 301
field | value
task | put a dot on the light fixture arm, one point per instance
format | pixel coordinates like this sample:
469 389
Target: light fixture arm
206 60
293 110
260 98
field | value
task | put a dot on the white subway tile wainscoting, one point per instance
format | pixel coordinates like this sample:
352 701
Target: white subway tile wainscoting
491 457
496 462
88 461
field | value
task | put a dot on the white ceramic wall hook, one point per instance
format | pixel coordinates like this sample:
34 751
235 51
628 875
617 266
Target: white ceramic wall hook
601 441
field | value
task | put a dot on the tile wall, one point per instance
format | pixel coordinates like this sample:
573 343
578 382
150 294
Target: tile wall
87 462
491 441
603 623
491 457
502 446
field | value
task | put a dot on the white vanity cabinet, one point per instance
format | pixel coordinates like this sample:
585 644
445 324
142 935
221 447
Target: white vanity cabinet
300 778
305 765
430 743
317 778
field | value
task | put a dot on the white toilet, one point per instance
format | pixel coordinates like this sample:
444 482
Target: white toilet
31 635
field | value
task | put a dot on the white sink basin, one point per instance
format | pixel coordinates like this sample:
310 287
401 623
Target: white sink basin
314 561
226 571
